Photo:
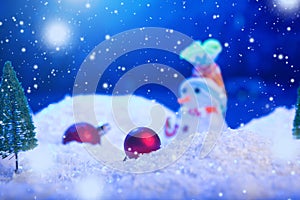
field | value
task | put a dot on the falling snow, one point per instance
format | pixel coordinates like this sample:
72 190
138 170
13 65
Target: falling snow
107 37
67 31
105 85
47 42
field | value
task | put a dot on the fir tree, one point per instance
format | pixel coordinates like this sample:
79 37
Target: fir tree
296 129
16 126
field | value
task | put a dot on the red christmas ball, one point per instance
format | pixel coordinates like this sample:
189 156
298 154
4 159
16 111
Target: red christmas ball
141 140
82 133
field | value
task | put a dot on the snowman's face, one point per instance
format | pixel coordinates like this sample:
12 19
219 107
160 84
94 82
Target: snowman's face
193 94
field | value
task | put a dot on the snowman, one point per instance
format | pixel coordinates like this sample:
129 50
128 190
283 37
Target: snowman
203 97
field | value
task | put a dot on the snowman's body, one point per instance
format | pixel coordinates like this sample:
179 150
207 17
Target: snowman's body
202 101
202 94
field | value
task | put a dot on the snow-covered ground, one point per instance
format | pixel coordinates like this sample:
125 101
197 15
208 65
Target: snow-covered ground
257 161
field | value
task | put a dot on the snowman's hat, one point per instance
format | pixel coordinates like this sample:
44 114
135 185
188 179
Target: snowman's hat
202 53
202 56
206 73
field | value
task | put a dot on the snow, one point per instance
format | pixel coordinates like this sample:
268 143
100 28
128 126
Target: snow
257 161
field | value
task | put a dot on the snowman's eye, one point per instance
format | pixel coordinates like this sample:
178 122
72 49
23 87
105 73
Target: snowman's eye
197 90
184 90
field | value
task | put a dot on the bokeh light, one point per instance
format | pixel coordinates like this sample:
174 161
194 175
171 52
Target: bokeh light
288 5
57 34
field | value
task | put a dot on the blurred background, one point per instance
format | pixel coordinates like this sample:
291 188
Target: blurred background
47 41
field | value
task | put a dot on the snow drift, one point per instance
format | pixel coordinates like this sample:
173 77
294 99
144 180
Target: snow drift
259 160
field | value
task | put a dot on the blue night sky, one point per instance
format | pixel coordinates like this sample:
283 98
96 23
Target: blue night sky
47 41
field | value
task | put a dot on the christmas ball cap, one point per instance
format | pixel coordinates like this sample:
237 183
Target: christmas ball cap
103 128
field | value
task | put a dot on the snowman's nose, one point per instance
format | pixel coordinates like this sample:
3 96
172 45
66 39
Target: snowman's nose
184 99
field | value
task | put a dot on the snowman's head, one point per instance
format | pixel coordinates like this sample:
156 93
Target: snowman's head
199 92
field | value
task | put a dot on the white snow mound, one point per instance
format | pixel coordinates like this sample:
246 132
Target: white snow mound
258 161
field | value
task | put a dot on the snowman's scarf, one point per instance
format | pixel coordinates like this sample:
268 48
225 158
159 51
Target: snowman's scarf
211 71
202 112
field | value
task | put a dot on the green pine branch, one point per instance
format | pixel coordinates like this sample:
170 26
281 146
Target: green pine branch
296 129
16 127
